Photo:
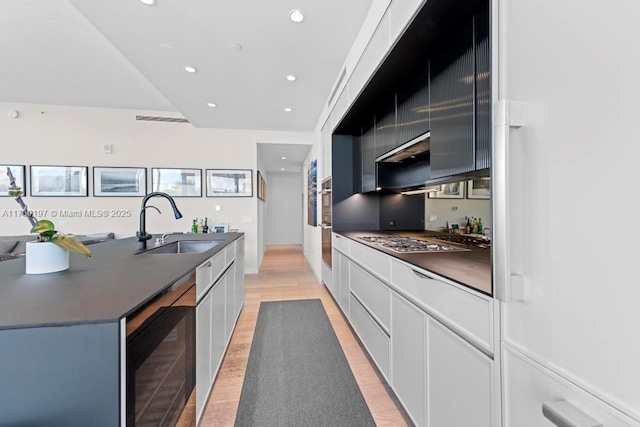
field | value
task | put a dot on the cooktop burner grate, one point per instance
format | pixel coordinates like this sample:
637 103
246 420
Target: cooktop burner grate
408 245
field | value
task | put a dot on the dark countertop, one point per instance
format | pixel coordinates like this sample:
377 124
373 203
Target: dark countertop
111 284
470 268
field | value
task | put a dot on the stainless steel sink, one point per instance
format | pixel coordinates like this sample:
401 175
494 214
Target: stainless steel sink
184 247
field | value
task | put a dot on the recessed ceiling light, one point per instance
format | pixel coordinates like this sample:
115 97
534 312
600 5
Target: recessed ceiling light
287 109
281 169
190 69
148 2
212 104
296 16
237 46
284 158
291 77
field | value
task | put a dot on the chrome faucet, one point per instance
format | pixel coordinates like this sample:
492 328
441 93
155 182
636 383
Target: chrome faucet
142 235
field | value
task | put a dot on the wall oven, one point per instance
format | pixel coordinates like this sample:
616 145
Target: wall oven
326 221
160 357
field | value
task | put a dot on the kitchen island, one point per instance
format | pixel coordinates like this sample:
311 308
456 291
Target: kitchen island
63 334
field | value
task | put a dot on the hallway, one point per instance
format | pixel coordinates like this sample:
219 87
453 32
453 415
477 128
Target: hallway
285 275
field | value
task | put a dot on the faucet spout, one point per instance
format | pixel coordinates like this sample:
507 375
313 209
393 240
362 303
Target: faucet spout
142 235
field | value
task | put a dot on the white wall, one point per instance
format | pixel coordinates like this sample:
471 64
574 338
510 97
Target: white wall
56 135
284 209
261 213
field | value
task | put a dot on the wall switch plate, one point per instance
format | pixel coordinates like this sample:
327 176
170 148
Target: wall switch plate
432 217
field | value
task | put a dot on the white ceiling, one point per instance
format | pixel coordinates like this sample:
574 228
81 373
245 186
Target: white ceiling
272 157
124 54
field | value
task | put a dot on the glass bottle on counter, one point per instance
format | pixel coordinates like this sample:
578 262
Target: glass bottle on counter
480 231
467 229
194 226
205 227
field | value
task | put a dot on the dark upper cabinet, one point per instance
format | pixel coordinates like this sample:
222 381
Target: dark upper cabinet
368 156
385 118
413 106
452 78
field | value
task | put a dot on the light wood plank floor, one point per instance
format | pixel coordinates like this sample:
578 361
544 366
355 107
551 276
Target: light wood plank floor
285 275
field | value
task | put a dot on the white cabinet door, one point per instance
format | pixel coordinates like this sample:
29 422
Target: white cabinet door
460 381
218 329
409 357
230 312
528 386
372 336
203 353
239 289
343 291
580 312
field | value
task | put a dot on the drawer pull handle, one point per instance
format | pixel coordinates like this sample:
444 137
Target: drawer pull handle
421 275
564 414
207 265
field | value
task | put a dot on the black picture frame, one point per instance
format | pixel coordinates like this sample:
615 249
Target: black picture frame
58 181
119 181
177 182
18 172
229 182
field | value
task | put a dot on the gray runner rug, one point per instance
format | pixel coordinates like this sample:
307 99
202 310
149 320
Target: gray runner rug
297 374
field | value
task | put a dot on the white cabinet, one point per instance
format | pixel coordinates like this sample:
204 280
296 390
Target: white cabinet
409 358
372 336
372 293
528 386
325 150
203 352
216 314
340 281
239 280
218 326
460 381
401 13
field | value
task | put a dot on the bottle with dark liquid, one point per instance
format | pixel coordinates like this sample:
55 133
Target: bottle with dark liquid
205 227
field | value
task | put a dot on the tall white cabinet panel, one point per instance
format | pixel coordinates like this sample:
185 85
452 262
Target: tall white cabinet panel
460 381
409 357
579 314
528 386
230 294
372 293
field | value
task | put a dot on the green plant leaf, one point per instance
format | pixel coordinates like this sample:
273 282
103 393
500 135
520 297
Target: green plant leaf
72 245
43 226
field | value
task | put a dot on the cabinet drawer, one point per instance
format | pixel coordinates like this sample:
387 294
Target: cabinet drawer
373 338
527 385
208 272
340 242
375 295
230 253
470 314
372 259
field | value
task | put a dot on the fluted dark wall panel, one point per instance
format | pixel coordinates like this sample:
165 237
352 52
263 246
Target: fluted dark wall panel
386 126
483 90
413 106
452 106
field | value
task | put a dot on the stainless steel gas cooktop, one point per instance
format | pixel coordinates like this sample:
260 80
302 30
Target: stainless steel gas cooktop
402 244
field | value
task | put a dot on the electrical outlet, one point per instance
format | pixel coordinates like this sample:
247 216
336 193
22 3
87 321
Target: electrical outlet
432 217
454 208
392 223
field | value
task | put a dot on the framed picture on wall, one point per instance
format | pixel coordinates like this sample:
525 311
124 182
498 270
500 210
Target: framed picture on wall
453 190
59 181
479 188
262 187
18 173
229 182
119 181
177 182
312 194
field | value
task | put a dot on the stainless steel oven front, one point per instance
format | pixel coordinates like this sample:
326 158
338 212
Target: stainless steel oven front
160 358
326 221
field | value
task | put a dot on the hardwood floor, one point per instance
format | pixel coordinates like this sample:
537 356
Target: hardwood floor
285 275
